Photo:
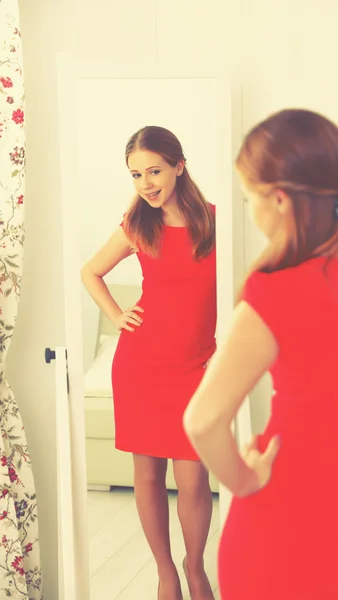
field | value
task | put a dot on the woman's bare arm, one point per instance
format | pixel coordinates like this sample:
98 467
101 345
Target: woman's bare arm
116 249
246 354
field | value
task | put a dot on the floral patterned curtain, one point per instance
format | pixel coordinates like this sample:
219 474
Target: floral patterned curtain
20 574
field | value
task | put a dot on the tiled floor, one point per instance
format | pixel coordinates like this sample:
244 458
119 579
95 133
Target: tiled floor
121 564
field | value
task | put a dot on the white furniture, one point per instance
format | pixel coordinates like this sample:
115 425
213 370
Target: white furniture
107 466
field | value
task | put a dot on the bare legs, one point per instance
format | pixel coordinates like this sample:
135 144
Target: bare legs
153 509
194 511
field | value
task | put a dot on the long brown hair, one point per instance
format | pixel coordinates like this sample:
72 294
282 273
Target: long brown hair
143 224
295 151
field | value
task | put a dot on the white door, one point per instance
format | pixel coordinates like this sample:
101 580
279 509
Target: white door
66 546
93 98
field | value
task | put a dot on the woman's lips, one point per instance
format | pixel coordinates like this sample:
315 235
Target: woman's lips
153 195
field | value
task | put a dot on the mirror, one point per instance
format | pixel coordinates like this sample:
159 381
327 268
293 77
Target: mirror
109 111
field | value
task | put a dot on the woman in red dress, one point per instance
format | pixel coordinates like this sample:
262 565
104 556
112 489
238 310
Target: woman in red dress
165 343
280 540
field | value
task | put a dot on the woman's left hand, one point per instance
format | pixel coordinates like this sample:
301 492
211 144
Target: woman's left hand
260 463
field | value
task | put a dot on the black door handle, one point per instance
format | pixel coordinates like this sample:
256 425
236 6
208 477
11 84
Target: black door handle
49 355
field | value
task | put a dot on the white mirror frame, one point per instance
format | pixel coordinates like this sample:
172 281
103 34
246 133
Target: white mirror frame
69 70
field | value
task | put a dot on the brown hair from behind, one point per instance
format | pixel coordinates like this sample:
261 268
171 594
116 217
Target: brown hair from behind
295 151
143 224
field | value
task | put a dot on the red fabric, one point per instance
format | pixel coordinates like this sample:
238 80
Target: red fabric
282 543
157 369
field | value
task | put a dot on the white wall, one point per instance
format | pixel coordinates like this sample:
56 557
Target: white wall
277 53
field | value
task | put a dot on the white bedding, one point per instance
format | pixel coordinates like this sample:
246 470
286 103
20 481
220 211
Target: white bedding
97 380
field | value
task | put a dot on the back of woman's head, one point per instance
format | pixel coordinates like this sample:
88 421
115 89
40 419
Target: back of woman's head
144 224
296 152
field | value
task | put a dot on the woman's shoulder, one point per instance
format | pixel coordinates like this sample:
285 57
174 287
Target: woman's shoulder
286 284
304 269
270 289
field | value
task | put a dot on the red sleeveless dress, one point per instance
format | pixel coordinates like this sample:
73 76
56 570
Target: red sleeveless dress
282 543
157 369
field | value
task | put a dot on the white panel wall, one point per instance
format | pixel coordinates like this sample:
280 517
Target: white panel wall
186 29
116 30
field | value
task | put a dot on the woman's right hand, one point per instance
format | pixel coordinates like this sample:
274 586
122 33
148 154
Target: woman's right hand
129 317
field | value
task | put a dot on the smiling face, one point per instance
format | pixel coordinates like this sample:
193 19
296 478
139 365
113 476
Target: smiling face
154 178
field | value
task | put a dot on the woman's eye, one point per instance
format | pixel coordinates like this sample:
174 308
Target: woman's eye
138 175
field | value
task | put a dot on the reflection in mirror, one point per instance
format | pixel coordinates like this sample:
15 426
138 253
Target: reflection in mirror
149 318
